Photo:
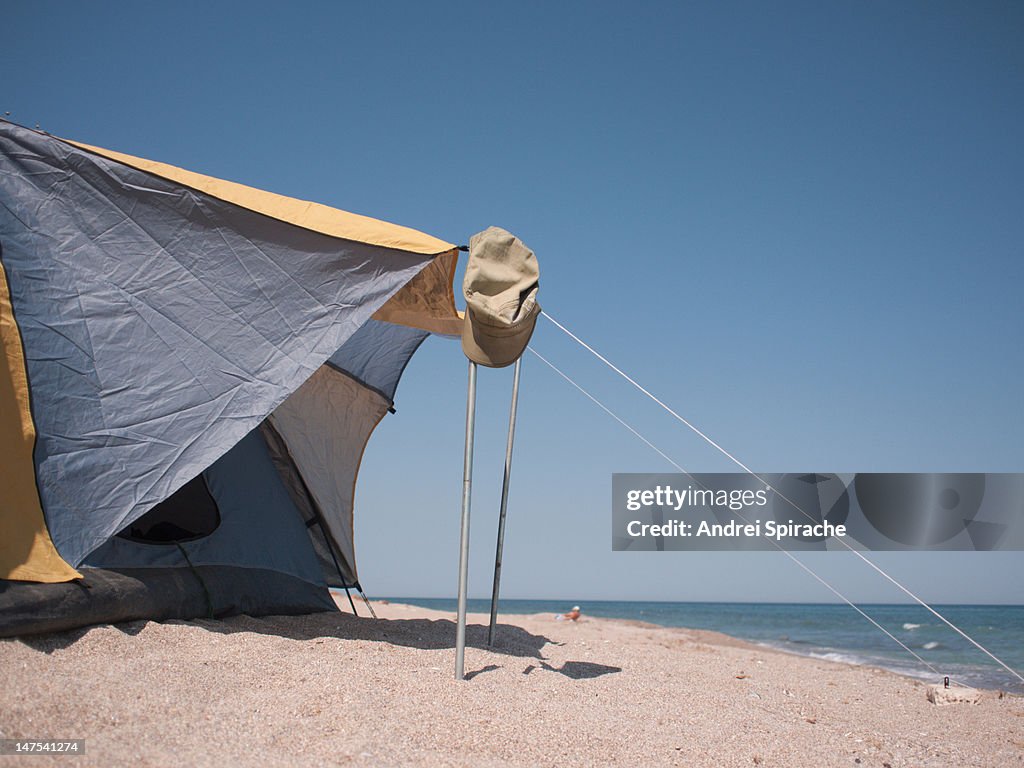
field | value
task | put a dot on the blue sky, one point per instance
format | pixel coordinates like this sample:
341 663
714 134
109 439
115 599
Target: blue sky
798 223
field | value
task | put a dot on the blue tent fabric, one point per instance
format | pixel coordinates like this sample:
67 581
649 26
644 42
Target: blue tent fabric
162 325
376 355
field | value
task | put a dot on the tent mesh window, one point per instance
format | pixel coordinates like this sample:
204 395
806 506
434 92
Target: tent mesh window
190 513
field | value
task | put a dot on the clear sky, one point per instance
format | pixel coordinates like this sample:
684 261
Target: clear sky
800 223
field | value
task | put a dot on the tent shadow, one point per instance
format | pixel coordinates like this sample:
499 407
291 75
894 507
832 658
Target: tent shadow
425 634
49 642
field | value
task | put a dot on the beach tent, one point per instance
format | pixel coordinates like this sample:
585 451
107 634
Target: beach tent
191 369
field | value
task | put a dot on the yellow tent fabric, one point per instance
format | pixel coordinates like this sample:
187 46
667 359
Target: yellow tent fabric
26 551
427 301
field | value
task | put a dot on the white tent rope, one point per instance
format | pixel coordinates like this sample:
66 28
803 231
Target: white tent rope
739 463
784 551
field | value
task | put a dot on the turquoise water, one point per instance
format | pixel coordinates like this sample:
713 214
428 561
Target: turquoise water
830 631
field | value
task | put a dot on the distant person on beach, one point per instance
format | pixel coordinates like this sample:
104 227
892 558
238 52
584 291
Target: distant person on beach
573 615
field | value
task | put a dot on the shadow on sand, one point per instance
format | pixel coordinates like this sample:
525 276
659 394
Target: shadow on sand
577 670
425 634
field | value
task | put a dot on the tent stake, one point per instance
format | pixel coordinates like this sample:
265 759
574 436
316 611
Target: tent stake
506 479
467 487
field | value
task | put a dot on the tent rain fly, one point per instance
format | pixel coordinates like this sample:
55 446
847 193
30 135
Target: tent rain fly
160 326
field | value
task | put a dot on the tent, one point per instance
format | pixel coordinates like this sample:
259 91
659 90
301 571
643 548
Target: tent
191 371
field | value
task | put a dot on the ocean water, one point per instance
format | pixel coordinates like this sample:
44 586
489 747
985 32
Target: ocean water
829 631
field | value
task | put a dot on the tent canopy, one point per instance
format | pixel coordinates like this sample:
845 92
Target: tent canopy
152 319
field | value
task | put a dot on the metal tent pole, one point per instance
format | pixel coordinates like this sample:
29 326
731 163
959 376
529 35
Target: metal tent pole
350 601
467 487
504 502
366 600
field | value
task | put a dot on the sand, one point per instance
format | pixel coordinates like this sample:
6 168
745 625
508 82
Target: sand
331 689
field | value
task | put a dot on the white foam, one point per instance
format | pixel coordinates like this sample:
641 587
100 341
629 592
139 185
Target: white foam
843 658
908 626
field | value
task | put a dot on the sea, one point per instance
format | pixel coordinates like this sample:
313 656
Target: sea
829 631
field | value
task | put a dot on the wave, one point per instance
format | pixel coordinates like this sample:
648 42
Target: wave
908 626
845 658
968 674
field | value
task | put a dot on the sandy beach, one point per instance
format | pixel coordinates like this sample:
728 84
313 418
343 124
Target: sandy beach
332 689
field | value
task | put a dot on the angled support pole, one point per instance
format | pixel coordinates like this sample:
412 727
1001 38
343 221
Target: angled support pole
467 488
350 601
366 600
506 480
